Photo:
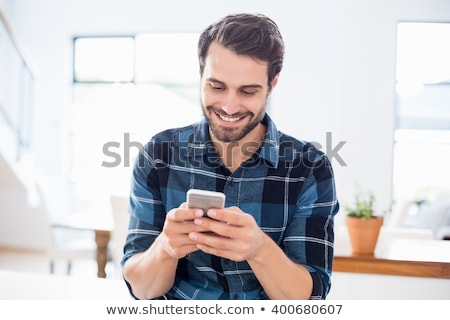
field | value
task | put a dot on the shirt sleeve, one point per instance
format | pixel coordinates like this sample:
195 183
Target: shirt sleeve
309 236
147 212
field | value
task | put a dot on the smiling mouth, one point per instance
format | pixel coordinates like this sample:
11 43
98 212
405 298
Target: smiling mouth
229 119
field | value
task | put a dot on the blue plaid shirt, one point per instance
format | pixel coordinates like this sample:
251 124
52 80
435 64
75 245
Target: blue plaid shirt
287 186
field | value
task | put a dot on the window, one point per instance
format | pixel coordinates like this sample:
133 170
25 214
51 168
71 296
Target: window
109 59
126 89
16 93
422 135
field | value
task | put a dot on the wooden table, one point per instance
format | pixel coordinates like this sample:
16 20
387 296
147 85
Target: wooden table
401 257
102 223
102 238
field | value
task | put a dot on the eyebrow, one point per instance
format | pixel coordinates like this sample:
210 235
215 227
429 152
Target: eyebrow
256 86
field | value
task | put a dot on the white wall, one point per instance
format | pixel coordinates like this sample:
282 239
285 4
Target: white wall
338 77
358 286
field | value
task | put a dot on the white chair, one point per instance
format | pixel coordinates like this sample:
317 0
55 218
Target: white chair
63 243
119 206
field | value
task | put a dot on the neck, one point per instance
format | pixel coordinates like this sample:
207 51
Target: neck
233 154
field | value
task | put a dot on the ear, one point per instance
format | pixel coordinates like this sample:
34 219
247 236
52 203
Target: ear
274 82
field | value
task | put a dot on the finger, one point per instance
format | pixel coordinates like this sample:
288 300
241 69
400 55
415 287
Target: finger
183 214
216 252
179 240
178 245
172 228
219 227
244 237
181 252
213 240
232 215
218 246
183 205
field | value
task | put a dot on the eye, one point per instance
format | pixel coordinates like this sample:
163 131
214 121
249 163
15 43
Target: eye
248 92
216 87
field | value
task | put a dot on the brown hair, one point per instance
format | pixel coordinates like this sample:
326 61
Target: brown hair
253 35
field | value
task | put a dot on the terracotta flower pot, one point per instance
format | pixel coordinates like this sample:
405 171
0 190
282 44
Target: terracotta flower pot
364 234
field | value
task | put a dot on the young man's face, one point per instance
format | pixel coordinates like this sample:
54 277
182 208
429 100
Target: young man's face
234 90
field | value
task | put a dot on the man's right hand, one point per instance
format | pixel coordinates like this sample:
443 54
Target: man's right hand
174 238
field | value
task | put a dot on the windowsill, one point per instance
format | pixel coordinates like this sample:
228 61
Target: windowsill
397 256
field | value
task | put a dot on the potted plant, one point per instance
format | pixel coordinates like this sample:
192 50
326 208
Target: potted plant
363 224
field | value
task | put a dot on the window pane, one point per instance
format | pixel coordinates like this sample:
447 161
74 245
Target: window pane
420 163
422 136
423 76
423 51
111 121
109 59
167 58
426 107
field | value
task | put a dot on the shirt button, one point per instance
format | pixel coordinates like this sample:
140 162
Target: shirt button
235 296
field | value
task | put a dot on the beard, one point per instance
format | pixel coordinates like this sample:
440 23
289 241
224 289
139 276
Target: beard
231 134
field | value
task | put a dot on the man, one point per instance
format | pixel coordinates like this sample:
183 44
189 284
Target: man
274 238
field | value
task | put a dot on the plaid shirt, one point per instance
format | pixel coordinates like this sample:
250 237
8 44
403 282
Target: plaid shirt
287 186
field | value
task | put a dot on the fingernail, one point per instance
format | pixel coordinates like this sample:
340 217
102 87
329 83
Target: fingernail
212 213
199 213
193 236
198 221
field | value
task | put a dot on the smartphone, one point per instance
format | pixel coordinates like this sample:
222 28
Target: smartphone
205 199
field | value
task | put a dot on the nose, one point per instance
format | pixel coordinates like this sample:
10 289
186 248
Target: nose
231 104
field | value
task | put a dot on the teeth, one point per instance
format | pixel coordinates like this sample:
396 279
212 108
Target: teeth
228 119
